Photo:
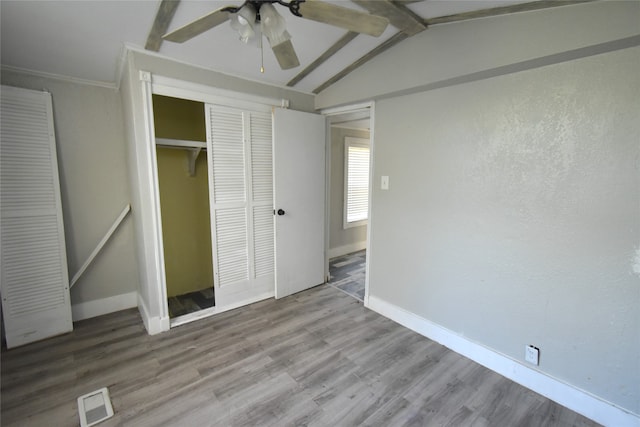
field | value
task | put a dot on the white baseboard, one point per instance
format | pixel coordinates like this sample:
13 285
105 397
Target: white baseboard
89 309
153 324
565 394
347 249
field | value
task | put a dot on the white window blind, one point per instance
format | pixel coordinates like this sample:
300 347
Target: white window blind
356 203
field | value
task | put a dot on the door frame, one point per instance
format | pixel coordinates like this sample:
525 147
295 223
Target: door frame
166 86
329 113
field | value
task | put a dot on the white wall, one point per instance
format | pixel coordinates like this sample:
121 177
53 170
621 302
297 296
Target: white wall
513 215
342 241
93 178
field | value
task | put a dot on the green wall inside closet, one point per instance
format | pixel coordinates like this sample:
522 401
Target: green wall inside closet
184 199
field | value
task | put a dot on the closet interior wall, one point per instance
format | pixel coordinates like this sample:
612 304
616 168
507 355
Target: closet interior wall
184 196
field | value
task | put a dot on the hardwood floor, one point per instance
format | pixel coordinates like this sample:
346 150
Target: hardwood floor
191 302
347 273
317 358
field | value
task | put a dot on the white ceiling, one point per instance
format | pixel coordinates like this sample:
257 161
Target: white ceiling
84 39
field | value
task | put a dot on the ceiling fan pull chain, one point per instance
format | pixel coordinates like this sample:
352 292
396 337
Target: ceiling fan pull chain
261 54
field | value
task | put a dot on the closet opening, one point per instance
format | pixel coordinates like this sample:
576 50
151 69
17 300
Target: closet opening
180 130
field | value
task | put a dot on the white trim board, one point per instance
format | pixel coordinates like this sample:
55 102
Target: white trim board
347 249
129 47
176 88
153 325
59 77
95 308
565 394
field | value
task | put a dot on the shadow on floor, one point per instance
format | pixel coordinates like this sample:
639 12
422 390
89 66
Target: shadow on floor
191 302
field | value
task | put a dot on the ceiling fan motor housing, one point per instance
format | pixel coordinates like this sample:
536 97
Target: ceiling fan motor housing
293 6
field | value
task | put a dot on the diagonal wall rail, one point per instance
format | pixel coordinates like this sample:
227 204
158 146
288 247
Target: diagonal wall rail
100 245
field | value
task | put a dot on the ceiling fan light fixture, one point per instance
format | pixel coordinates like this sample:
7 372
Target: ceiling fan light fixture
281 38
273 24
243 22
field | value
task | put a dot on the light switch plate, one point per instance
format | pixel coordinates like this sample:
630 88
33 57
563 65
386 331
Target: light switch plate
384 183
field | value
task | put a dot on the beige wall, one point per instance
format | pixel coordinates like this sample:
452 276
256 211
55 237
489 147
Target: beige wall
339 237
184 199
93 179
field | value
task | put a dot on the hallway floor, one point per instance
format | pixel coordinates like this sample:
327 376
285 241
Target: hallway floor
347 273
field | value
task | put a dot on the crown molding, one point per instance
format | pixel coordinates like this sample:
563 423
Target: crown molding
59 77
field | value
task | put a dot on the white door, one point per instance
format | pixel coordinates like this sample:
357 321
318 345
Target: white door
34 280
299 200
239 149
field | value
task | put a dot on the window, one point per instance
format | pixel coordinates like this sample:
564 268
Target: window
356 187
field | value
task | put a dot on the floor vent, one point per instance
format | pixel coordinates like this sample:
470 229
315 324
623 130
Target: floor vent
94 407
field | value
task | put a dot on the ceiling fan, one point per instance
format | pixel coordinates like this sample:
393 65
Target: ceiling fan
258 17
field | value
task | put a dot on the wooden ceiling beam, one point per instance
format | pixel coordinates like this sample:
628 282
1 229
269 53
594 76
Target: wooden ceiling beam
484 13
502 10
392 41
165 13
342 42
412 24
398 15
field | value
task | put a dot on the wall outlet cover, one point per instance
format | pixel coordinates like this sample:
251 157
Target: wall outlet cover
532 354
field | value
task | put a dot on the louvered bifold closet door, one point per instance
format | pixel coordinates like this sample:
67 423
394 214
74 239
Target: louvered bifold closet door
239 144
35 281
262 192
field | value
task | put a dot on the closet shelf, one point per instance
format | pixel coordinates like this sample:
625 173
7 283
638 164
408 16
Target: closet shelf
193 150
180 143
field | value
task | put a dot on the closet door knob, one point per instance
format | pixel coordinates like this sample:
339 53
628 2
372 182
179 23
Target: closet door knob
280 212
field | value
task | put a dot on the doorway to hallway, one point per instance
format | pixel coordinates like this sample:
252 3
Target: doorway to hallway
347 273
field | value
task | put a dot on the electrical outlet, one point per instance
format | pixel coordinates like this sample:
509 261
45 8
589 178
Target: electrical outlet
532 354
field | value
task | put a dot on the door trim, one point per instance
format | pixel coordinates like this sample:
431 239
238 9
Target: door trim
154 263
329 113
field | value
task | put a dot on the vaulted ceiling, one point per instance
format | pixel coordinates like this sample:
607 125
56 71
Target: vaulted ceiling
85 39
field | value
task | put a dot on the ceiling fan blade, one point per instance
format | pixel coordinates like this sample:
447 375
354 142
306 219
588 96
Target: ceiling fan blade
286 55
343 17
199 26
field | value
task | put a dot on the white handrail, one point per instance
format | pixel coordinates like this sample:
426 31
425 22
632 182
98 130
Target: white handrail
101 244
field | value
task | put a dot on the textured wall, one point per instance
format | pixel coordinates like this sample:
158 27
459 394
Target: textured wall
339 236
513 216
93 180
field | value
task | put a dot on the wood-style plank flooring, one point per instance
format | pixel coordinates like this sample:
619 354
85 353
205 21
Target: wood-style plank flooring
347 273
318 358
